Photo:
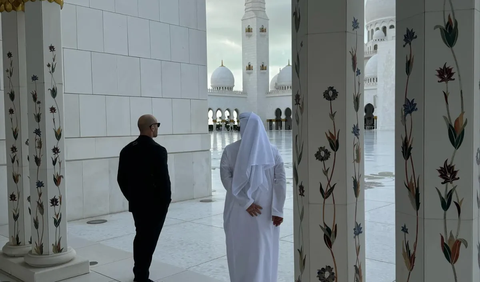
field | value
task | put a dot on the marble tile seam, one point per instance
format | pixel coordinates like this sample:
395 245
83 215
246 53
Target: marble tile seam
112 238
204 224
205 262
379 222
379 201
376 260
133 136
116 157
101 274
195 219
376 208
92 159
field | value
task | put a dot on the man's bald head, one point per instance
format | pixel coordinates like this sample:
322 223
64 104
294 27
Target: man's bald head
147 124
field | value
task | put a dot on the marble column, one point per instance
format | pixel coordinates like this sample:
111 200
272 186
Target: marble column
437 140
16 124
46 135
328 140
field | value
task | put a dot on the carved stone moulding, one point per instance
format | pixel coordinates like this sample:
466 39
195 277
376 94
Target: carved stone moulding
19 5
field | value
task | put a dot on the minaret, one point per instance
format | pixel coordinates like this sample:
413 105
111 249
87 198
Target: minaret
255 56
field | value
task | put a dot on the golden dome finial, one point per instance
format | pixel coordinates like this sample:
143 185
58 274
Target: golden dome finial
222 64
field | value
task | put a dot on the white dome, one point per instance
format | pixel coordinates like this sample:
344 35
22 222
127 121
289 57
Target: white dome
379 35
222 77
285 77
273 82
371 67
379 9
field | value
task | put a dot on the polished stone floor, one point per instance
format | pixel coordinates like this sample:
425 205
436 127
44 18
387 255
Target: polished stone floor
192 248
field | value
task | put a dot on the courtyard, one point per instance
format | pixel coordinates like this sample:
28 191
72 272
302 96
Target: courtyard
192 245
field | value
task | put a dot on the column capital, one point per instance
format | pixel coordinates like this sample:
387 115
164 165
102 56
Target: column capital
19 5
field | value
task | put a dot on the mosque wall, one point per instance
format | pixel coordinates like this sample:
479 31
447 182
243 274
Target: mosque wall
369 94
231 102
386 86
278 102
122 59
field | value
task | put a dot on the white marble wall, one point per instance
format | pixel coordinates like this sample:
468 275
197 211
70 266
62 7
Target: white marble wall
369 97
236 101
122 59
278 101
226 101
386 86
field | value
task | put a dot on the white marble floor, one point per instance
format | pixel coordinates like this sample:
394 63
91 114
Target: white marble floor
192 248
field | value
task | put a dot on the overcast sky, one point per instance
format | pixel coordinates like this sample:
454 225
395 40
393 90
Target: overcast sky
224 35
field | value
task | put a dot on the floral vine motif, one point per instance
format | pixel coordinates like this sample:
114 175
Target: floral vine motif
15 196
326 274
450 241
412 180
298 146
357 230
55 202
39 219
323 155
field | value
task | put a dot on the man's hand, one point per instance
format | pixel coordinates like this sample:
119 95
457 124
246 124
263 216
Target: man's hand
254 210
277 220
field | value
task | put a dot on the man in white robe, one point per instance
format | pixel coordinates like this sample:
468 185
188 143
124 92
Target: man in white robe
253 174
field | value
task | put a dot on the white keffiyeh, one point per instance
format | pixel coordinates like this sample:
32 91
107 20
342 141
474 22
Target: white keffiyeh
254 157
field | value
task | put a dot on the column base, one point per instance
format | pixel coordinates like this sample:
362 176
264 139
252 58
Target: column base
16 267
49 260
16 251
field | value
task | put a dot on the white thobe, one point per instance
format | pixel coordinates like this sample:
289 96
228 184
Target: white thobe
253 242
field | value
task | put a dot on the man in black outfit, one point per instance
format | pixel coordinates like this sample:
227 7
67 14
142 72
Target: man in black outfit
144 180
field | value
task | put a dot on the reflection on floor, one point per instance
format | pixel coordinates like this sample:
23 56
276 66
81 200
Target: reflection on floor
192 247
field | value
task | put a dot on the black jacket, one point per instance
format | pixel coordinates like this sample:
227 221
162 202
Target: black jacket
143 174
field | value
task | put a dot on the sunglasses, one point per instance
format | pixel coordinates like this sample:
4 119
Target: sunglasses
157 124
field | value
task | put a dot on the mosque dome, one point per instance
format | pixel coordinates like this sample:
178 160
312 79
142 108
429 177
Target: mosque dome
379 36
379 9
222 78
284 80
371 67
273 82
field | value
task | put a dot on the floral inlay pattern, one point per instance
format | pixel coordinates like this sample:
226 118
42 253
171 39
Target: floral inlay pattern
411 180
56 201
357 153
456 123
39 214
16 196
298 146
327 188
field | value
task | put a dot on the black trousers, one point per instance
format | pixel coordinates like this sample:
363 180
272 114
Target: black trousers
148 225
